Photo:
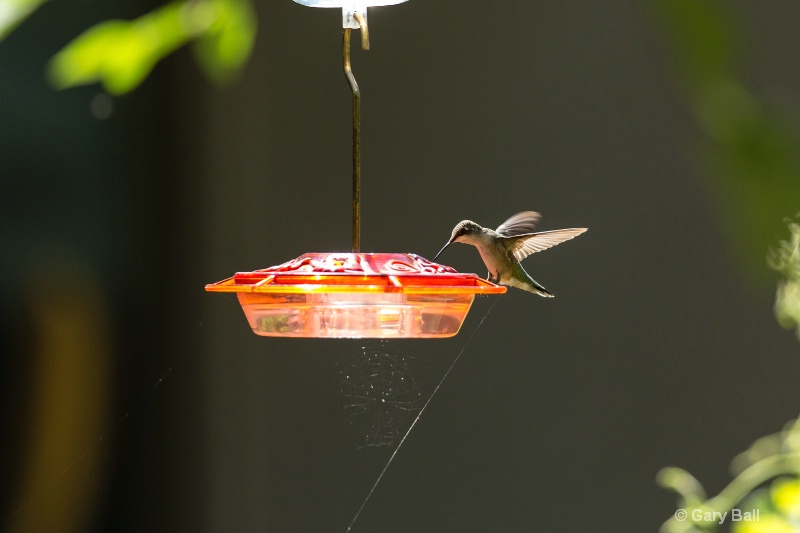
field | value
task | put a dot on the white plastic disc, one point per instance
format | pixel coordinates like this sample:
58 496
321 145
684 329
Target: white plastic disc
360 5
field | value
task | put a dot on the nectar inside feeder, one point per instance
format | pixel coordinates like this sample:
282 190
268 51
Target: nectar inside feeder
354 294
385 295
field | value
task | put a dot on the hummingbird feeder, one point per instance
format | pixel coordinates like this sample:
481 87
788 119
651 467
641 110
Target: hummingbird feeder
354 294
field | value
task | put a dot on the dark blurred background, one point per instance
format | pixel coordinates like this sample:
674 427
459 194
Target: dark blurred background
134 401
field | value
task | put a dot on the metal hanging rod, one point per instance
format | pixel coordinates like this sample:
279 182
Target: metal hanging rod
348 72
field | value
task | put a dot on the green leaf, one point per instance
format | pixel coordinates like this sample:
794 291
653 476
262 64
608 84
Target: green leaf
706 35
786 260
785 494
228 42
120 54
750 155
682 482
14 12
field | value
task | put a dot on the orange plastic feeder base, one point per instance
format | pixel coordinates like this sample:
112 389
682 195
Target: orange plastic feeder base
356 295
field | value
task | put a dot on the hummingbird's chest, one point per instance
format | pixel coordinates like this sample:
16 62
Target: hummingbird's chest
495 257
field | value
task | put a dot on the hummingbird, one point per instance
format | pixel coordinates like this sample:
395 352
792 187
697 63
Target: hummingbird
502 249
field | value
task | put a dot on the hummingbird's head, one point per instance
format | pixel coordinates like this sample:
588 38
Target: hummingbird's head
465 231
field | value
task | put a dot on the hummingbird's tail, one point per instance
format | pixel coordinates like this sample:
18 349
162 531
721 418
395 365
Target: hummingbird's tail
536 288
523 280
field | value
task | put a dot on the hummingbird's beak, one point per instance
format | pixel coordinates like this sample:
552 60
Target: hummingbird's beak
443 248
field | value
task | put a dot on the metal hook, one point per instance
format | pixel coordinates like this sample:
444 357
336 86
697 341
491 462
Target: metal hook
361 18
355 17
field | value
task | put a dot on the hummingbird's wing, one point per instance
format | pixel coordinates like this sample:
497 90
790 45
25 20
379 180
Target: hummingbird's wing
520 224
524 245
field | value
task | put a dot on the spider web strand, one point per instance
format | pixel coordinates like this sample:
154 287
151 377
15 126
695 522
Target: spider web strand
419 414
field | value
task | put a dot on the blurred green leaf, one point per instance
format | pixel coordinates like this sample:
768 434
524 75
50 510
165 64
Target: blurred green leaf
786 260
13 12
117 53
778 505
773 458
752 152
683 483
767 523
227 43
762 448
705 34
785 494
120 54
